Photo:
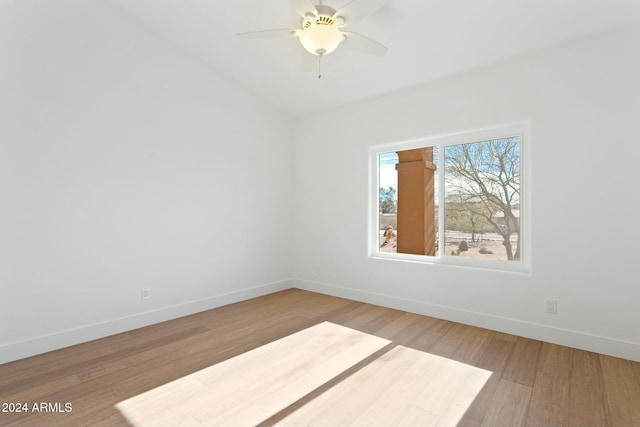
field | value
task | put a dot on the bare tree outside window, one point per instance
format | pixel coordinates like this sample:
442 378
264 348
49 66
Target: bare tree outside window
482 191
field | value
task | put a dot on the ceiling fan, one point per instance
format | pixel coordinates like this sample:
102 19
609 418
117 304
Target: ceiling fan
320 32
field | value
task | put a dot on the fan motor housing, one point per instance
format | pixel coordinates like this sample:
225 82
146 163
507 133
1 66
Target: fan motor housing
324 17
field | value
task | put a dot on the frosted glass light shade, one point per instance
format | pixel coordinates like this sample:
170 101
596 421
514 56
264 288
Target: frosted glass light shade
320 39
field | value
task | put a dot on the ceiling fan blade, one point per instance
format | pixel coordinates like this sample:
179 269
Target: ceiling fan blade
304 7
269 34
363 44
356 9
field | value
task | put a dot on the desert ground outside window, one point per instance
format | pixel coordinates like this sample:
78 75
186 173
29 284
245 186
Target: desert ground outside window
459 199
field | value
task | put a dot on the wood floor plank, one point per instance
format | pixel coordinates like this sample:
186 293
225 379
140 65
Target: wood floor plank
549 404
453 391
399 329
523 362
473 345
451 340
40 391
367 317
509 405
32 369
381 322
554 360
494 359
418 417
586 397
621 391
428 333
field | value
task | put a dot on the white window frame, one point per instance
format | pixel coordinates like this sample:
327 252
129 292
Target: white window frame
521 129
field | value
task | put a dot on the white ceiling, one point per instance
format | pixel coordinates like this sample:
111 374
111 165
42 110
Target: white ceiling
427 40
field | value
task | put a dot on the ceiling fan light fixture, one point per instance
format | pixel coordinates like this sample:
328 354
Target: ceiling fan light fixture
320 39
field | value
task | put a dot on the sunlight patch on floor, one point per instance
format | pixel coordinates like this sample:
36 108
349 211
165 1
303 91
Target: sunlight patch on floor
253 386
401 387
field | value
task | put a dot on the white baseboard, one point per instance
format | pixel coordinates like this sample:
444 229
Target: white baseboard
570 338
42 344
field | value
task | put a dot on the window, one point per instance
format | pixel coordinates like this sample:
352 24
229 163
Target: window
455 199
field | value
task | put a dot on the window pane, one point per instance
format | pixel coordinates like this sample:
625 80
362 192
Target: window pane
388 201
482 199
407 220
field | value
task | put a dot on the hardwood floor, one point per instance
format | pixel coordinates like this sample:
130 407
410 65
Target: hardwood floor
533 383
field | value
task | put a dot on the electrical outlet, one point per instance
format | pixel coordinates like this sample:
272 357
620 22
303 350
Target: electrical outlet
552 305
146 293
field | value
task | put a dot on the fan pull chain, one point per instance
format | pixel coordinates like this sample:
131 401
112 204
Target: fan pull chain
320 66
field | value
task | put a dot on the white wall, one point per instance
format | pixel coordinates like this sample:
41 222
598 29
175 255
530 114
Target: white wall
124 163
583 101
